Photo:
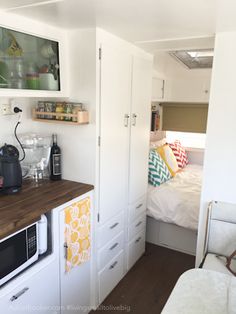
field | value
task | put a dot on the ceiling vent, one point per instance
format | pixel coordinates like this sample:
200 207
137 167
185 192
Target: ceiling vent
194 59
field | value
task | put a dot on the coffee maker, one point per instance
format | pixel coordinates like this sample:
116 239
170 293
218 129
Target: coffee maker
10 170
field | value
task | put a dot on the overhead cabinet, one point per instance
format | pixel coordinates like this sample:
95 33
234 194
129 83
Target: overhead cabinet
158 88
28 62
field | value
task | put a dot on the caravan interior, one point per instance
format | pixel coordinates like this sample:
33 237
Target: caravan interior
117 131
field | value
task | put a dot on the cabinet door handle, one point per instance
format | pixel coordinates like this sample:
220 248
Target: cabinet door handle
138 240
113 226
134 116
113 265
113 246
65 250
140 205
139 223
126 120
17 295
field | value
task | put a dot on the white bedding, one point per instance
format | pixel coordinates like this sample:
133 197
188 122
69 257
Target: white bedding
177 201
201 291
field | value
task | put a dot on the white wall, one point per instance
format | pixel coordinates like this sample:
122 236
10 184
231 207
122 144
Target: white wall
219 164
181 84
79 70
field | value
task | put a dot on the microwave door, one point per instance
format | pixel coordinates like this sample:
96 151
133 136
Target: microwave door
13 254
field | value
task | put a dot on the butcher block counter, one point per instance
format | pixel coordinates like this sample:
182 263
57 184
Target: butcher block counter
24 208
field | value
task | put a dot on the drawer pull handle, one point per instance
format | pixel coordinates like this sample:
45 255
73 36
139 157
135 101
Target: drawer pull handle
113 246
113 265
140 205
113 226
65 250
138 240
17 295
139 223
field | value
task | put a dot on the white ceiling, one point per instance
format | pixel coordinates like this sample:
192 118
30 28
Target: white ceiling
152 24
134 20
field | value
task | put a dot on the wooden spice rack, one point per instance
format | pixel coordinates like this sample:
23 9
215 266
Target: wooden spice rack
81 117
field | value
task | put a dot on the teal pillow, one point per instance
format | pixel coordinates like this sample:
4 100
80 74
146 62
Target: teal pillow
158 172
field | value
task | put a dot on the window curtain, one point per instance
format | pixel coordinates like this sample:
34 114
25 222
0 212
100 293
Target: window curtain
184 117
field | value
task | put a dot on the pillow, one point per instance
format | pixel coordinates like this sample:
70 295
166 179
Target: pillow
168 156
180 154
158 172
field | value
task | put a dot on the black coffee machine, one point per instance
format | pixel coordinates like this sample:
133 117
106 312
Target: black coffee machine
10 170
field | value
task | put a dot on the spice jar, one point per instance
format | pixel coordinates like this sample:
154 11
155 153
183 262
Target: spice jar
68 108
59 109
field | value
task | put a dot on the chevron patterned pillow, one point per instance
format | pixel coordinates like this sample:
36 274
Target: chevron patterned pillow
180 153
158 171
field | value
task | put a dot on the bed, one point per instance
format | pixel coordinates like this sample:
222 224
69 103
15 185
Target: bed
173 210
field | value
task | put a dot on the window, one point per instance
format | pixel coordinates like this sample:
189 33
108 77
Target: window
193 140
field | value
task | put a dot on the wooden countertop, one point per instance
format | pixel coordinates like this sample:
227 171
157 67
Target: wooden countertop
24 208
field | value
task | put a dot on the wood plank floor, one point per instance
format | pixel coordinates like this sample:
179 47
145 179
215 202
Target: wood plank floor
147 286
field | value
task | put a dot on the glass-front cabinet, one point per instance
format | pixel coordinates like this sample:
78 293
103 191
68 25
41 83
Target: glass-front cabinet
28 62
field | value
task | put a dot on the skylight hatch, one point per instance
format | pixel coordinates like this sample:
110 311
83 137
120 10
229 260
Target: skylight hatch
194 59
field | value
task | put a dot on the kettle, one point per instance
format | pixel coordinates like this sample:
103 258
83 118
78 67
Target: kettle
10 170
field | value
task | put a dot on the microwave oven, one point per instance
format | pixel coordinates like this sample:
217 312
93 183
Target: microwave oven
21 249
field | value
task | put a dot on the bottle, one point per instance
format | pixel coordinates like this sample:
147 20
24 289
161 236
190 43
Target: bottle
55 160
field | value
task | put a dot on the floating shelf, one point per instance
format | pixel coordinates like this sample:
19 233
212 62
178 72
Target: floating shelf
81 117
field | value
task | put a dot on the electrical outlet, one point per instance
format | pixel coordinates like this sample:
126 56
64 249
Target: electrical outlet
5 109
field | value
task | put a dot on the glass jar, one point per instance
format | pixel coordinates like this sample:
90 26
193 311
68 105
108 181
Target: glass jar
59 109
68 108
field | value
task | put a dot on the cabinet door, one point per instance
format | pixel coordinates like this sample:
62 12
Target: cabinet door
114 130
39 293
75 283
157 88
140 127
28 62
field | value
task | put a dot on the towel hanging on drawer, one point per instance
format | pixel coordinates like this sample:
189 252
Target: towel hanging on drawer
77 233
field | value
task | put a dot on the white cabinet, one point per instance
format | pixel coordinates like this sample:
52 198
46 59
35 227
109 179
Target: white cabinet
158 88
124 124
139 127
75 284
114 131
39 293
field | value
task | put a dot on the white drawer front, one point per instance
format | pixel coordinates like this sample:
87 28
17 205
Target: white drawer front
136 248
137 209
137 226
111 275
110 229
108 252
30 294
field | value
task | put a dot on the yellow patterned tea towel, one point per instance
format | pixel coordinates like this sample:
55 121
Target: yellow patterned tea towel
77 233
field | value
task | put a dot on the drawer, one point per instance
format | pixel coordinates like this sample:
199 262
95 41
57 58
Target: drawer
137 226
110 229
136 248
111 275
108 252
137 208
30 293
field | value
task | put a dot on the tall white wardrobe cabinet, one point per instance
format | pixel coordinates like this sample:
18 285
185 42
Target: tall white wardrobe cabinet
121 120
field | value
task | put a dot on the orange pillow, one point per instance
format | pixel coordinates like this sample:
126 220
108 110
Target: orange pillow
168 156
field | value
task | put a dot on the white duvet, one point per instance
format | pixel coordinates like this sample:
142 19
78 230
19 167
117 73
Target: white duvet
177 201
201 291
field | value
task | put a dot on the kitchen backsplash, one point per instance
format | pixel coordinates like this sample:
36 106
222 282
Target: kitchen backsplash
75 141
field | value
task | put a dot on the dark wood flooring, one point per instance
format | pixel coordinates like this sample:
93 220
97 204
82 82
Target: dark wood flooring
147 286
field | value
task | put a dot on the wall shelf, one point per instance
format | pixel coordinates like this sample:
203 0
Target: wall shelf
81 117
